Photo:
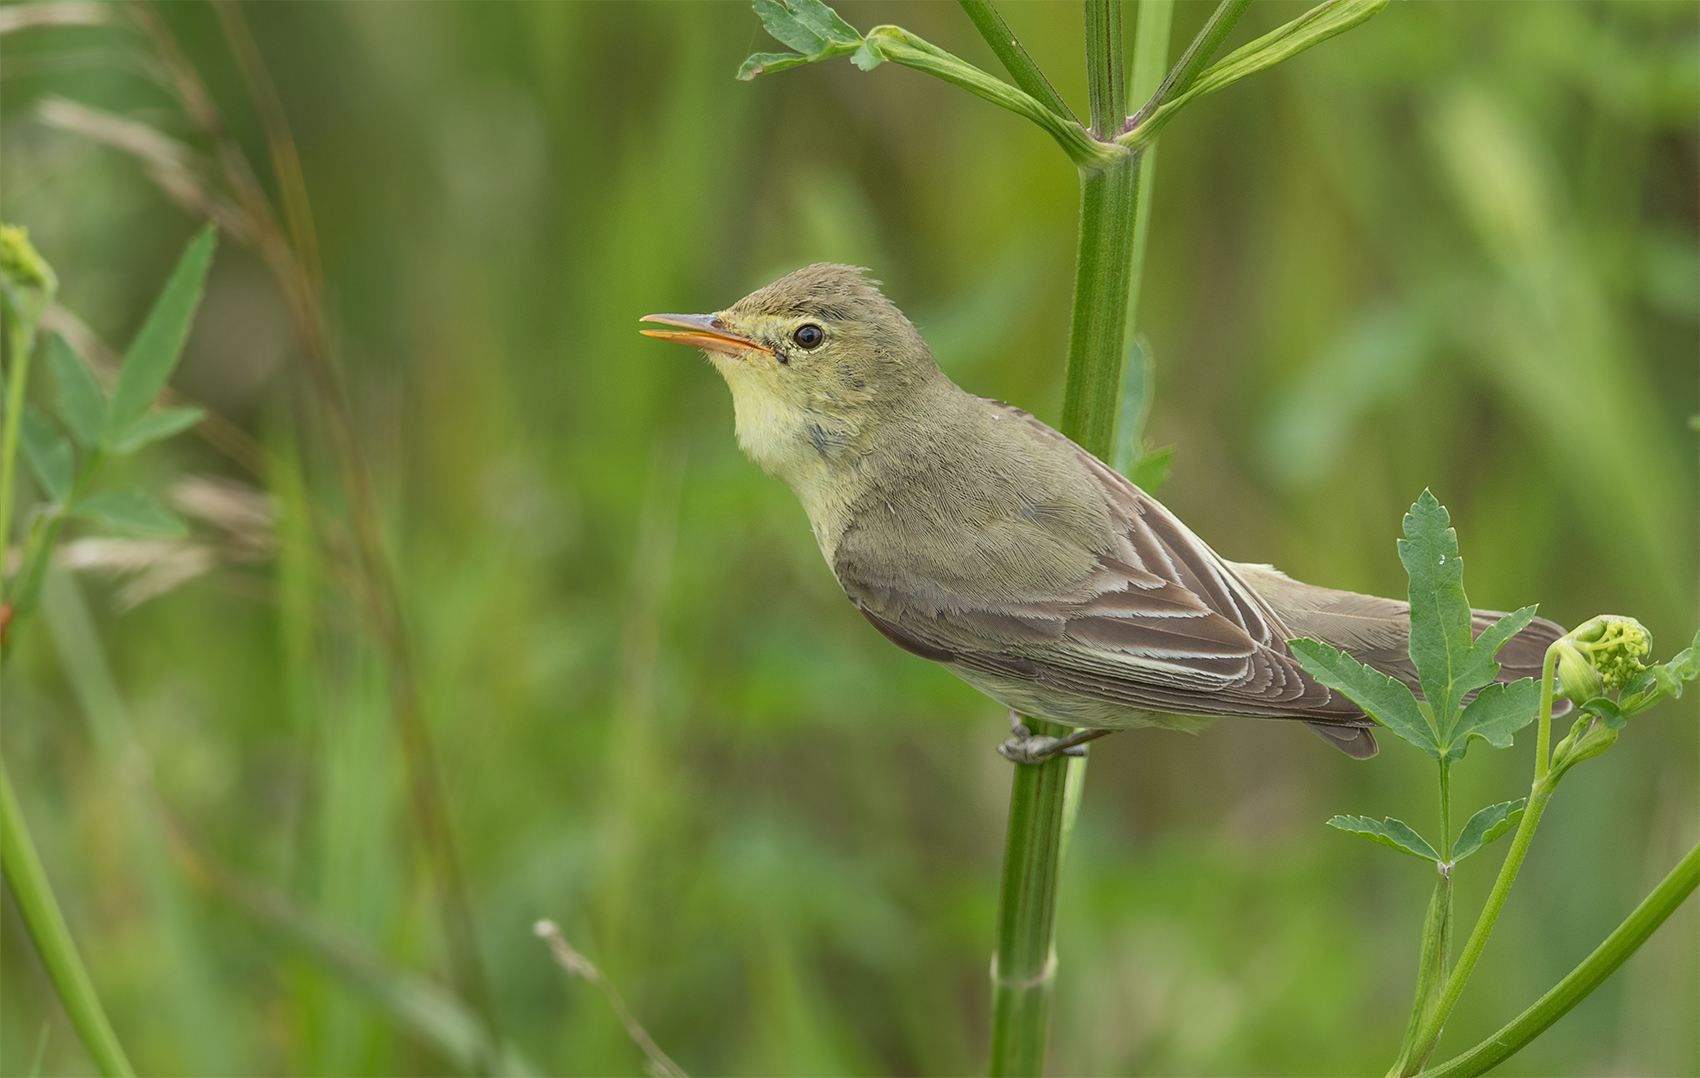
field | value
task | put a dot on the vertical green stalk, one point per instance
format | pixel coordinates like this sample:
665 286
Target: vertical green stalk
27 274
53 937
1024 968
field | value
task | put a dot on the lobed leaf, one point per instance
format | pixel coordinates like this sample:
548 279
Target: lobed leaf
157 425
1441 641
1485 826
153 355
48 453
1388 701
82 402
1394 834
131 512
1496 713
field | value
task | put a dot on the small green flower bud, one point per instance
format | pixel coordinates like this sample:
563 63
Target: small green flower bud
20 265
1600 656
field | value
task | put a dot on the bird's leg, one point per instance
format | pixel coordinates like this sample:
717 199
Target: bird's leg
1024 747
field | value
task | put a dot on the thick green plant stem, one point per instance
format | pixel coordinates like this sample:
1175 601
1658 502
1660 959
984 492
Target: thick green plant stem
53 937
1014 58
1624 941
1024 967
1097 334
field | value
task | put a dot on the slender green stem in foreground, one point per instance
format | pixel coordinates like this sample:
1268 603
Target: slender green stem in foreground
1150 56
1624 941
1431 968
1539 794
21 338
53 938
1014 58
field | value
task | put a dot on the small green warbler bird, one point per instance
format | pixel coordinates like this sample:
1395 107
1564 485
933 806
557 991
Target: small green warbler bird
972 534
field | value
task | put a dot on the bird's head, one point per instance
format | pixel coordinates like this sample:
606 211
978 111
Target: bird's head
815 361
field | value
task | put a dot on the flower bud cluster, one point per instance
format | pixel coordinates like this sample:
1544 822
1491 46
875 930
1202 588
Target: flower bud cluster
1601 656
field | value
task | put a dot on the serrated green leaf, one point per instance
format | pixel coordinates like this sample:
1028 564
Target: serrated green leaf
1496 713
158 345
1387 701
131 512
48 453
1441 641
82 402
156 425
1394 834
1487 825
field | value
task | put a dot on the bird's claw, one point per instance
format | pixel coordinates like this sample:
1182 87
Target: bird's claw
1026 747
1037 749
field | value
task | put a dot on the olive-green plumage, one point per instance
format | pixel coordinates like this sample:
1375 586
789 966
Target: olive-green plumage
970 533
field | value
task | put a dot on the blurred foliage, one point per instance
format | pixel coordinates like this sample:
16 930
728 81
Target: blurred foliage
1456 249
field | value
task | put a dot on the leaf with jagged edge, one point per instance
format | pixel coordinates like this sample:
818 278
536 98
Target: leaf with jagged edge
1387 701
1496 713
1485 826
1394 834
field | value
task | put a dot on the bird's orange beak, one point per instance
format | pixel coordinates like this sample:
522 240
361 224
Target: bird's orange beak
704 331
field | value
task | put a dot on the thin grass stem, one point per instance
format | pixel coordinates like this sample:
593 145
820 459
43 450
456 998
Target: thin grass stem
52 937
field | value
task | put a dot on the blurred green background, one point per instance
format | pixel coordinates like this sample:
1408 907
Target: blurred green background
1456 247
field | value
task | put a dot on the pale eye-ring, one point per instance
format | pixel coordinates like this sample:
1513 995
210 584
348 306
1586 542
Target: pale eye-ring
809 335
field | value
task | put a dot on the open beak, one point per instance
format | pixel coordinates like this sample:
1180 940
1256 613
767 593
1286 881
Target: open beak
703 331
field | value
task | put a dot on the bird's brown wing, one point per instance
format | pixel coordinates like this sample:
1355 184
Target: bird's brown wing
1160 623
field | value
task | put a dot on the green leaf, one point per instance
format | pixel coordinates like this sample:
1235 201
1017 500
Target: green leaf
131 512
1312 28
1496 713
48 452
154 353
156 425
1441 641
1607 711
1394 834
809 26
1487 825
763 63
1388 702
82 402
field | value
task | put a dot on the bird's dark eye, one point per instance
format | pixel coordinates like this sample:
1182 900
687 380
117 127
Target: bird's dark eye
809 336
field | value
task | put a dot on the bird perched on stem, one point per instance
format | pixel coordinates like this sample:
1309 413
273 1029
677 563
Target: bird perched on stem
972 534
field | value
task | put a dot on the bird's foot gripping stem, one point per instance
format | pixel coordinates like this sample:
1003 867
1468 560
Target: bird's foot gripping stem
1025 747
